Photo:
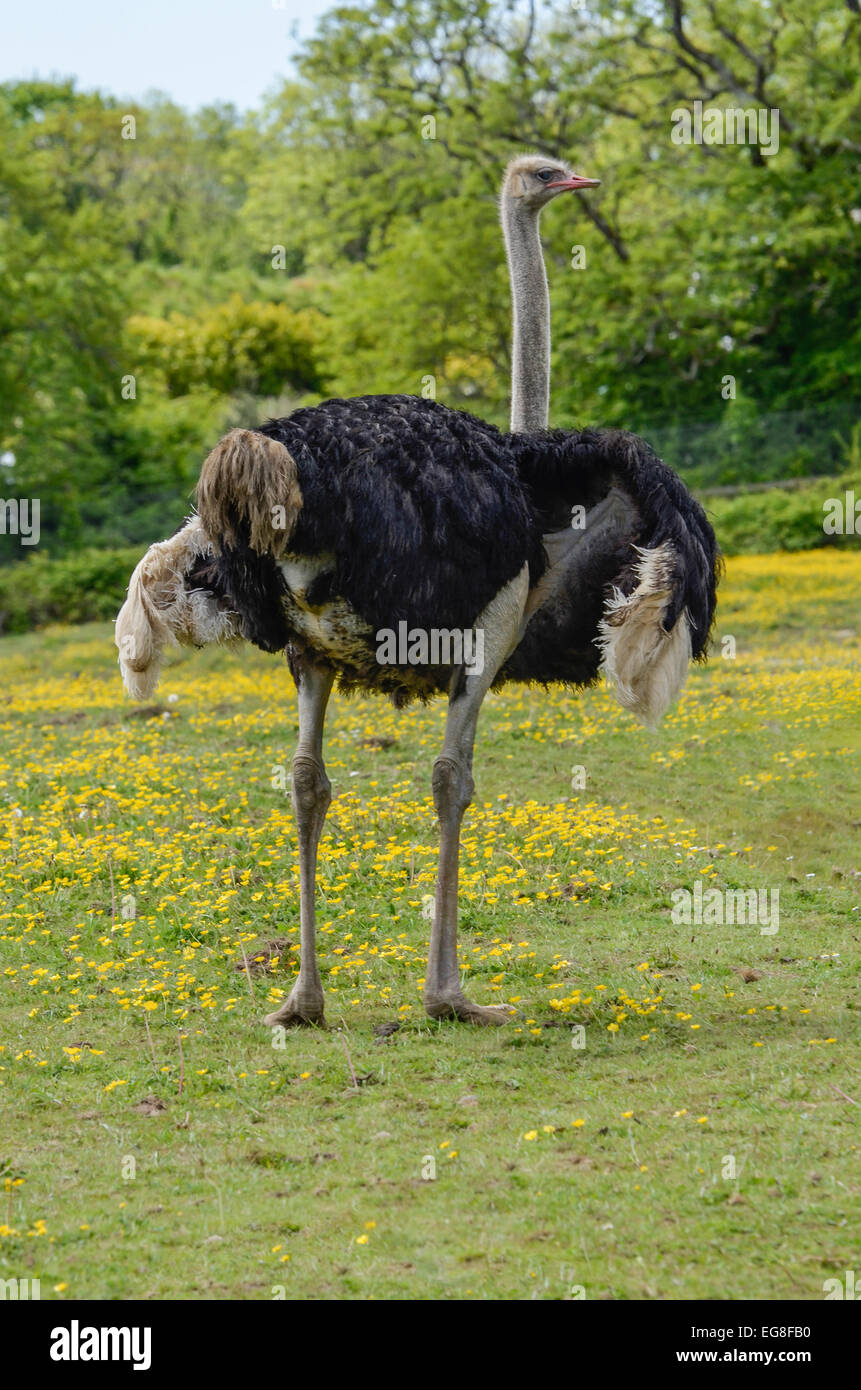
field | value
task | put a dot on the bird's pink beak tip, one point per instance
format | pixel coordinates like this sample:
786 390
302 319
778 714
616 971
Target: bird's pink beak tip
574 182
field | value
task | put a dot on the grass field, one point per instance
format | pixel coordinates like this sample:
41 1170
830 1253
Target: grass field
159 1142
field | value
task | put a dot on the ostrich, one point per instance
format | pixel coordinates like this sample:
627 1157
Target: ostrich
319 533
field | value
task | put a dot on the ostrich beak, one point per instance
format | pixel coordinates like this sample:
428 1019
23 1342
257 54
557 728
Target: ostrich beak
572 182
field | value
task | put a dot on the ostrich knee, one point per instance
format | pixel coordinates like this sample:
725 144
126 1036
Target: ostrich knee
312 795
452 790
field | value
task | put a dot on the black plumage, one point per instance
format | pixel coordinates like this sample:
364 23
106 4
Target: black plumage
426 513
422 507
561 469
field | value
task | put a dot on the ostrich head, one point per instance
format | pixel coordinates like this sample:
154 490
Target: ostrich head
536 180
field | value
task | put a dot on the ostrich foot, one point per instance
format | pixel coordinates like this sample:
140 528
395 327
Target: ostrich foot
303 1006
459 1007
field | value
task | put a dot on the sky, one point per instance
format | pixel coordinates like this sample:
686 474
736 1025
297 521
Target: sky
196 51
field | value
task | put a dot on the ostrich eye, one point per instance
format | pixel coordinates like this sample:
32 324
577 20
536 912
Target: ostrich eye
545 175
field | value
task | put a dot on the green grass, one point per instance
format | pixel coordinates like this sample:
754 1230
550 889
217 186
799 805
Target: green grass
265 1151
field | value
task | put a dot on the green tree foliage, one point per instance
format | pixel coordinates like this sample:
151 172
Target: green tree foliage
233 347
61 302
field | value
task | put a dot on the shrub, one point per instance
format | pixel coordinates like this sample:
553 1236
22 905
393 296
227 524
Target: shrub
88 586
760 522
259 348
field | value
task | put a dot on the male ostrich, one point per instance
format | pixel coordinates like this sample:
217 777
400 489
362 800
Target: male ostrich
318 531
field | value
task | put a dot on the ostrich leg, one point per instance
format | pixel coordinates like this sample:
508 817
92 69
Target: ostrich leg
453 786
312 793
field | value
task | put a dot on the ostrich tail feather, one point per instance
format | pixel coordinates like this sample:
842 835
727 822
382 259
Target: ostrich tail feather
647 664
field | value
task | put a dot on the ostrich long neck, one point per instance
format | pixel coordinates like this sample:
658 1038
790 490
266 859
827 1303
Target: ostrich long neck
530 302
